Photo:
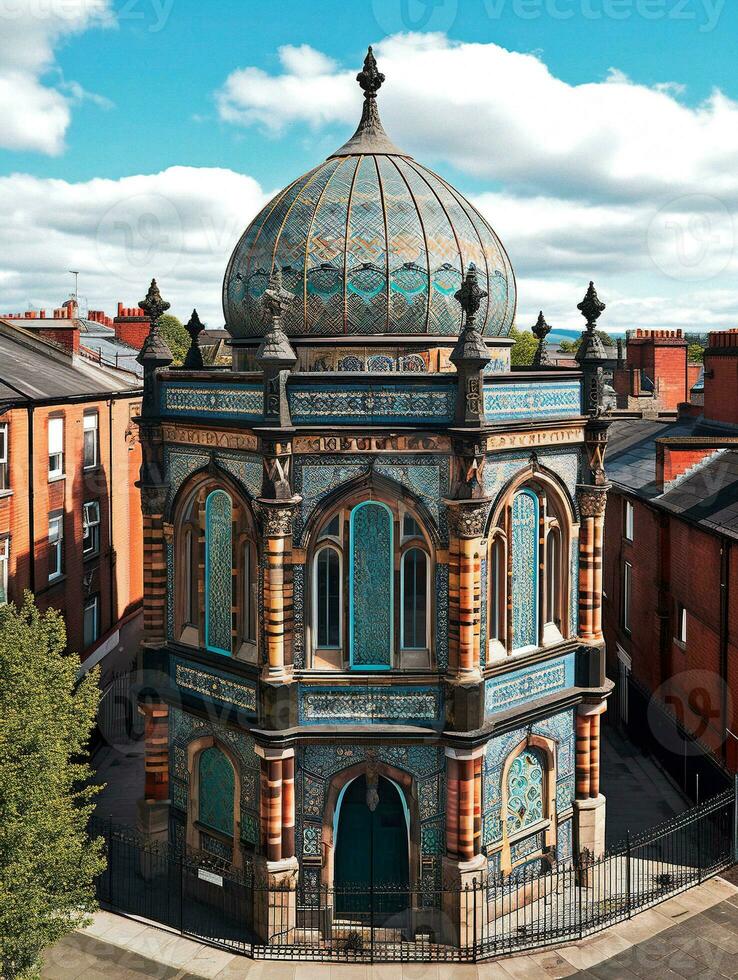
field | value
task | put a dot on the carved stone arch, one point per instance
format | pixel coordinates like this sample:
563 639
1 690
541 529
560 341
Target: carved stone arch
211 472
370 486
532 473
407 786
195 748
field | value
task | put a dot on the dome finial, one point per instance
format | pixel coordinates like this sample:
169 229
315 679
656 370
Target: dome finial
370 78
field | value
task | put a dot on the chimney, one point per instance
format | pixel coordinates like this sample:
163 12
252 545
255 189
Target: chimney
131 326
721 377
660 356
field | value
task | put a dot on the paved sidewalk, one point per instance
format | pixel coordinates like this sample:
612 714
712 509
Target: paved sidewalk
692 935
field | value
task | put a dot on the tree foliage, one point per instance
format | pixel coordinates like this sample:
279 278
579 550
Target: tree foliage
47 862
524 348
177 338
696 353
572 346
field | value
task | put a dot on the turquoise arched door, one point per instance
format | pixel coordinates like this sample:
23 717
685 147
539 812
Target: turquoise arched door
371 857
371 587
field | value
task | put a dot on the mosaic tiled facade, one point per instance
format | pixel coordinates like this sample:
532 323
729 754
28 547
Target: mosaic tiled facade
363 551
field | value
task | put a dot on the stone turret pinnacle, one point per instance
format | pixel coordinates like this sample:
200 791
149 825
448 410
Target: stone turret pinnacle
275 355
470 355
540 331
193 360
591 355
370 136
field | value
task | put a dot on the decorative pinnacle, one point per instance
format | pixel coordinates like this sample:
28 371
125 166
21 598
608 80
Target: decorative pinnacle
194 328
277 300
591 307
370 78
541 329
153 305
470 296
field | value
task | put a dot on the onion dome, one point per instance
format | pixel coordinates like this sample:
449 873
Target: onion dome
369 242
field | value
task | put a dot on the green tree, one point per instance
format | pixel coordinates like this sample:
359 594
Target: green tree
177 338
47 861
523 349
572 346
696 353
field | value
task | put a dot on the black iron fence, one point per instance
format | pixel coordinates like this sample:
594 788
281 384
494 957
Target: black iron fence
538 905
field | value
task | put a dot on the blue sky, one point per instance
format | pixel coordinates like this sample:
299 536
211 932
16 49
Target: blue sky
123 90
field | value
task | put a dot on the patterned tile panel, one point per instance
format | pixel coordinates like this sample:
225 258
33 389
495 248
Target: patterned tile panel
526 401
366 404
500 468
215 687
507 690
370 705
211 399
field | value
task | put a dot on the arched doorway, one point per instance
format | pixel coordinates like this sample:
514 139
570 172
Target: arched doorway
371 851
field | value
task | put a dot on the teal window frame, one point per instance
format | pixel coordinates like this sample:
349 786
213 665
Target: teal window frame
391 638
208 505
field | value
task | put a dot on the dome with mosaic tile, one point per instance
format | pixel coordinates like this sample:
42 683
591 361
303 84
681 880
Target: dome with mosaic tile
370 243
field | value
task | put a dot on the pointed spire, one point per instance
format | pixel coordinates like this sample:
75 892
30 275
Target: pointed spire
540 331
193 361
154 350
370 136
275 348
591 355
470 296
470 354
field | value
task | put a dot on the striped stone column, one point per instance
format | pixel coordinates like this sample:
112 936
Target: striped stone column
277 802
154 565
592 502
464 803
277 517
156 749
588 750
467 524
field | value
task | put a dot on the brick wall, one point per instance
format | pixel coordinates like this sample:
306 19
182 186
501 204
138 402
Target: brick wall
115 573
721 377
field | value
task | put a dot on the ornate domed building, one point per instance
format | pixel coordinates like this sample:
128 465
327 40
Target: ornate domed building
373 647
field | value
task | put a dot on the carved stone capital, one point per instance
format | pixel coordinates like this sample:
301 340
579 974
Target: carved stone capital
468 518
592 501
153 499
276 516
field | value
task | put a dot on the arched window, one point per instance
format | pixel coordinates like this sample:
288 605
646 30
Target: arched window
525 599
328 599
249 596
553 577
525 790
497 579
218 571
414 600
371 580
216 790
189 577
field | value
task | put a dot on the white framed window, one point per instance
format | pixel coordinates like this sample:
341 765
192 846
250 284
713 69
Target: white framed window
628 520
414 584
553 576
56 447
4 471
681 624
627 594
56 545
327 592
497 576
91 440
91 621
91 528
249 592
4 563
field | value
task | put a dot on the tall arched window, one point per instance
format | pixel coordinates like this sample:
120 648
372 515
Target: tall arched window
371 581
189 577
525 599
249 592
497 579
328 598
553 577
218 571
414 581
216 790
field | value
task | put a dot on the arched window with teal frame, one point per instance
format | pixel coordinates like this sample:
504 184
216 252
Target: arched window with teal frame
218 571
525 604
525 790
216 790
371 586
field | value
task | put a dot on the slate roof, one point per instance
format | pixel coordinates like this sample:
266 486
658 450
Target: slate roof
31 370
706 494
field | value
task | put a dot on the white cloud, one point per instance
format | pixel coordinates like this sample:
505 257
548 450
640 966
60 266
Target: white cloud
504 116
179 225
35 114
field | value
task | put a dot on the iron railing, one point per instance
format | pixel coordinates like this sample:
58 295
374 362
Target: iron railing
540 904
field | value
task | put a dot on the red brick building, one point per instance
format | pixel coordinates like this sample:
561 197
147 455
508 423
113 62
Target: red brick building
70 516
671 555
655 376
